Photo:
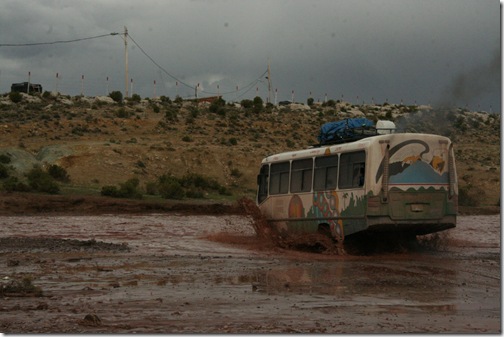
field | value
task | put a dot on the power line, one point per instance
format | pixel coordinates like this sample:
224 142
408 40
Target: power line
54 42
248 86
245 88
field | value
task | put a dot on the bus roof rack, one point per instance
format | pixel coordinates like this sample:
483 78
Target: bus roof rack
351 130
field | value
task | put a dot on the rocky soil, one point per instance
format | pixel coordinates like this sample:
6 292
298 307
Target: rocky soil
100 142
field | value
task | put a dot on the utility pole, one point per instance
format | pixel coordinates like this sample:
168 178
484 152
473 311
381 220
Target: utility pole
126 61
269 83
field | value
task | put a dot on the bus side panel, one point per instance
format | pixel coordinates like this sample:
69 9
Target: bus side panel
344 212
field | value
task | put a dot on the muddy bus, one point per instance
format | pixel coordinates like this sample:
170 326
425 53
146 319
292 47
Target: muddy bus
366 178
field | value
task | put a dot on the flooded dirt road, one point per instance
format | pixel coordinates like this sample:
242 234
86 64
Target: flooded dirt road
169 273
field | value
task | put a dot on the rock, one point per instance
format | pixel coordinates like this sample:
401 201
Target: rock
104 99
66 101
92 319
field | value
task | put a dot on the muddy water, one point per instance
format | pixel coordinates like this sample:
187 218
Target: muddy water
212 274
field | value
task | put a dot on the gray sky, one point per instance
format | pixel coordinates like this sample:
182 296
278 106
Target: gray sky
438 52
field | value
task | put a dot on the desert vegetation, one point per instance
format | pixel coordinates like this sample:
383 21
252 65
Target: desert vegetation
131 147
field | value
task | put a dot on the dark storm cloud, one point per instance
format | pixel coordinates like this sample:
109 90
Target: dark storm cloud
357 50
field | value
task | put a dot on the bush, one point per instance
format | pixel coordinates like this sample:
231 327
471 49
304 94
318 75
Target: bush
247 103
469 196
128 189
5 159
117 96
15 96
109 191
12 184
258 104
170 188
58 173
178 100
191 185
136 98
4 172
41 181
122 113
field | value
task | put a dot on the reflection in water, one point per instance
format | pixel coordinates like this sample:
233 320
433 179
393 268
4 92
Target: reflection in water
394 280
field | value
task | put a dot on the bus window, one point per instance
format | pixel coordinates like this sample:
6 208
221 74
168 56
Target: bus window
301 175
326 172
262 182
352 168
279 178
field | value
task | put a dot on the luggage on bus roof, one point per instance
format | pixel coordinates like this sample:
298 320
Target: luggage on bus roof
345 130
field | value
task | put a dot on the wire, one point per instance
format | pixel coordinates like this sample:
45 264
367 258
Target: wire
249 86
157 65
54 42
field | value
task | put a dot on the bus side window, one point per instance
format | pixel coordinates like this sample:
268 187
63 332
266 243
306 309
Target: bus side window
326 170
301 175
262 182
279 178
352 169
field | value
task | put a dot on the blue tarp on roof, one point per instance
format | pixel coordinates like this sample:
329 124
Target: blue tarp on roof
340 130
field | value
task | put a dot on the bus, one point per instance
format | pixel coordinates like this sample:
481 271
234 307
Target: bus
387 182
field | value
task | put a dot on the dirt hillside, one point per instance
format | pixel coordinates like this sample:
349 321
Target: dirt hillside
100 142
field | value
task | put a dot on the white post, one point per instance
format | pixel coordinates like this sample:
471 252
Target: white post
82 85
126 61
29 80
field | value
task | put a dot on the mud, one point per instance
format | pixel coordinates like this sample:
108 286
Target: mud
180 273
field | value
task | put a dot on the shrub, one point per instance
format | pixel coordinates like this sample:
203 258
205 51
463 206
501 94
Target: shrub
469 196
12 184
109 191
15 97
170 188
122 113
58 173
41 181
310 101
4 172
247 103
136 98
217 106
258 104
128 189
117 96
236 173
178 100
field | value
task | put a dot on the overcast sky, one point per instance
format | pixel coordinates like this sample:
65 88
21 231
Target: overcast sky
438 52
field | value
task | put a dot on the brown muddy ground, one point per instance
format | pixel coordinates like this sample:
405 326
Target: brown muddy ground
167 271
